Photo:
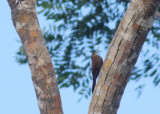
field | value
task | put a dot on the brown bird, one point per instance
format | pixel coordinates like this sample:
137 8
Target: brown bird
97 63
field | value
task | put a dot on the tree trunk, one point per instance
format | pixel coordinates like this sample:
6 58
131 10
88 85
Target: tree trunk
25 20
122 56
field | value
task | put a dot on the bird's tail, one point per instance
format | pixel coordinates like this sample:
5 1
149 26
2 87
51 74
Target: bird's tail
93 85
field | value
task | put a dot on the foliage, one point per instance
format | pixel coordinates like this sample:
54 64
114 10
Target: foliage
79 27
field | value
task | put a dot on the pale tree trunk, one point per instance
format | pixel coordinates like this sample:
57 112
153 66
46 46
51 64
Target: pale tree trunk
122 56
25 20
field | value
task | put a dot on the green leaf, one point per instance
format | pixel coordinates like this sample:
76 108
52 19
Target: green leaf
153 72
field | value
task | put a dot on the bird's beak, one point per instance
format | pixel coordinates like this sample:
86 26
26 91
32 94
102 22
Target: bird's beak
96 50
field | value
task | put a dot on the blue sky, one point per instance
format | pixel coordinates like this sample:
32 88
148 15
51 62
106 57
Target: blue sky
17 95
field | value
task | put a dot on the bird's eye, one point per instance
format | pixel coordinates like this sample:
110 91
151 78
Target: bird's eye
93 53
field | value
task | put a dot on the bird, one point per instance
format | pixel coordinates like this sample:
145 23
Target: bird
97 63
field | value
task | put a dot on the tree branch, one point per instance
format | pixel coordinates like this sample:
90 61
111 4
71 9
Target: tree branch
25 20
122 56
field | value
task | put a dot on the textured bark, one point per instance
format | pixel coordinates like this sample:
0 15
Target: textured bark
122 56
25 20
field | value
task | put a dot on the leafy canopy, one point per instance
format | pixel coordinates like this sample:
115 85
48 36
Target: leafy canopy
78 28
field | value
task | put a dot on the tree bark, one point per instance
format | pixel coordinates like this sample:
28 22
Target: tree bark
25 20
122 56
